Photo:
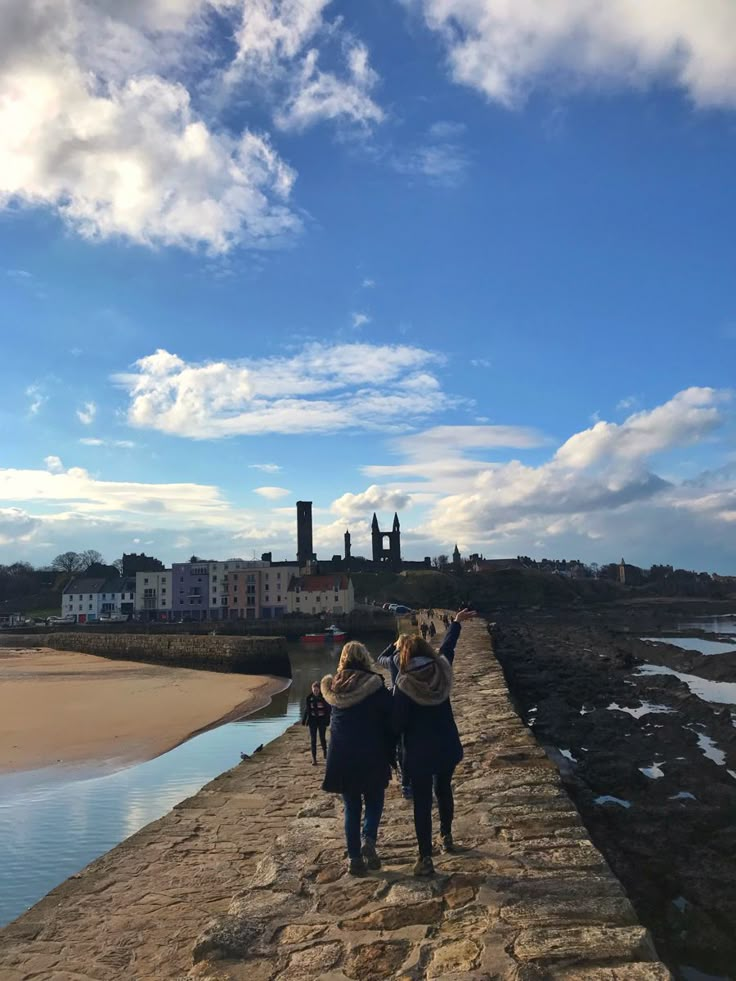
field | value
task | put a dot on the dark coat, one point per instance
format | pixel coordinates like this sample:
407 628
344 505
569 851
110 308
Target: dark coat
362 743
423 712
316 710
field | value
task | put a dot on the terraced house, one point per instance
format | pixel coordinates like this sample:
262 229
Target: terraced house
332 594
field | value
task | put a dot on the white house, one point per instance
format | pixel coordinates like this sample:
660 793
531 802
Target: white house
86 598
332 594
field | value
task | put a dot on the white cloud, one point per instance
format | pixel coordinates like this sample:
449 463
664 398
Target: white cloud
318 95
87 413
374 498
53 464
368 284
122 444
506 49
92 130
273 52
323 388
686 418
272 493
16 526
440 159
36 397
360 320
596 488
481 362
626 403
265 467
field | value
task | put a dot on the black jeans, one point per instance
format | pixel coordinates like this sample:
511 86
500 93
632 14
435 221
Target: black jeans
422 787
315 726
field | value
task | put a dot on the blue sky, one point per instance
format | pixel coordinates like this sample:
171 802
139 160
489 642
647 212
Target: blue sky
468 260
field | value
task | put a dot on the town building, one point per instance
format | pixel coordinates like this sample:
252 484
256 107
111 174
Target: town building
153 594
330 594
88 598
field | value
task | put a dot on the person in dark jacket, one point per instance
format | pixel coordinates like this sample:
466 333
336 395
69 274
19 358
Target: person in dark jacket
361 750
316 715
389 658
424 720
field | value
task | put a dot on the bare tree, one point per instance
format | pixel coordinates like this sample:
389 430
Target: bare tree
90 556
68 562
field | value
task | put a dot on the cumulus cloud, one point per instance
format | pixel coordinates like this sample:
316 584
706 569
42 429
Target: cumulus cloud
374 498
53 464
686 418
91 129
599 484
87 413
323 388
507 49
272 493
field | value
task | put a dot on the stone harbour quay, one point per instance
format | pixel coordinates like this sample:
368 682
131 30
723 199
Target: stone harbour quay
246 880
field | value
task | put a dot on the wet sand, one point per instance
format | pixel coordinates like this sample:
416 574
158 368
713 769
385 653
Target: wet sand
59 707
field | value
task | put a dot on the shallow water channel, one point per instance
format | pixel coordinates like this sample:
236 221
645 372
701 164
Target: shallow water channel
55 821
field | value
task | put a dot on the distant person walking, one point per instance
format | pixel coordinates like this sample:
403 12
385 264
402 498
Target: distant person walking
361 751
432 628
316 715
423 719
425 630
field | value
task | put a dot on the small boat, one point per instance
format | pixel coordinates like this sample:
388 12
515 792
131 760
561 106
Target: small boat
331 635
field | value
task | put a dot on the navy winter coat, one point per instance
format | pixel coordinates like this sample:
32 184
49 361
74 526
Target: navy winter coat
431 740
362 743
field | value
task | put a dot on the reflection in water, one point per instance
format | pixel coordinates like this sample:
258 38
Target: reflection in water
53 822
712 625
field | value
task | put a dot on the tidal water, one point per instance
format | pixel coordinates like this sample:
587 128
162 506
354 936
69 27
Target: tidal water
55 821
696 643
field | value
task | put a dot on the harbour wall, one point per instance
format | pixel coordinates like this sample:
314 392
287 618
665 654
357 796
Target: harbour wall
246 879
241 655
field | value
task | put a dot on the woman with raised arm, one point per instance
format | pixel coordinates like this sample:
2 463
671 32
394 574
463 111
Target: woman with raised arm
423 719
361 750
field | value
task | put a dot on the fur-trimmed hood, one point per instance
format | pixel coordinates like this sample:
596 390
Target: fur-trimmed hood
350 687
428 680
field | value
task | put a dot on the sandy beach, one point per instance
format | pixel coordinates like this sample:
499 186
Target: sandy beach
62 707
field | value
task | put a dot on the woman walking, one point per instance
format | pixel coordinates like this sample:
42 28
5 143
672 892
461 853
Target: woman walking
361 751
316 715
424 720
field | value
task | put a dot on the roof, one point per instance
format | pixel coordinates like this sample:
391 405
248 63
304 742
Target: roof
318 584
85 585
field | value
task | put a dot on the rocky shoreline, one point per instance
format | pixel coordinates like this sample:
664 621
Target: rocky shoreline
649 764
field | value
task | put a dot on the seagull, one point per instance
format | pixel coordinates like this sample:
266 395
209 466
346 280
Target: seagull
244 756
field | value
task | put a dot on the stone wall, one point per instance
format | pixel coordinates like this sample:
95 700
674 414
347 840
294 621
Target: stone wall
246 880
243 655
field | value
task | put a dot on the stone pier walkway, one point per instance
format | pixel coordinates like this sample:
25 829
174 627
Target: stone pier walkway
258 854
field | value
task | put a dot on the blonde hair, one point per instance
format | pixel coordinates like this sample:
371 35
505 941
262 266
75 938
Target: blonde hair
355 655
412 645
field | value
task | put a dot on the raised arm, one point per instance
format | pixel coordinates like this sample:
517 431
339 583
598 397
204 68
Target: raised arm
386 660
447 648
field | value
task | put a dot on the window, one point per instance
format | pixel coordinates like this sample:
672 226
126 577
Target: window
278 575
250 578
298 599
214 579
90 606
181 578
90 595
145 582
278 599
